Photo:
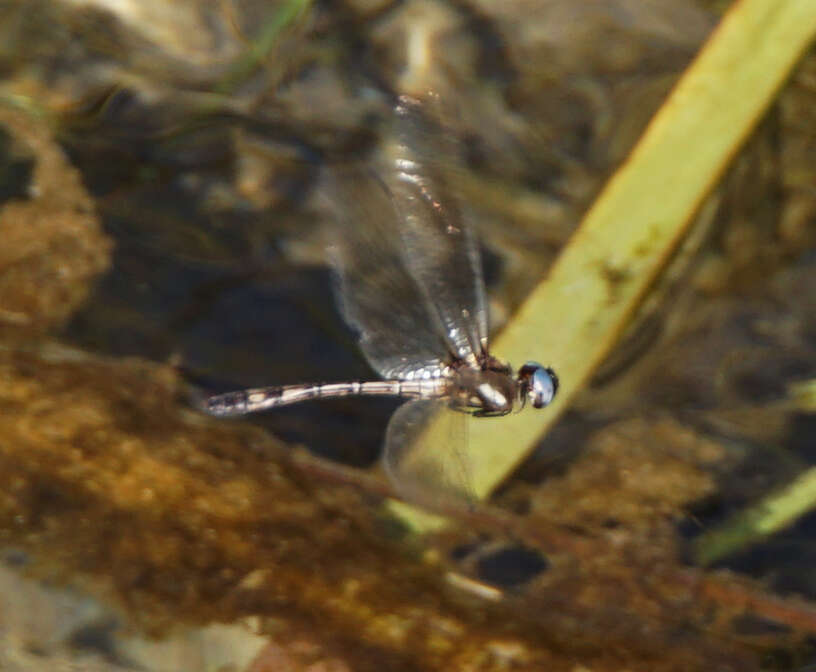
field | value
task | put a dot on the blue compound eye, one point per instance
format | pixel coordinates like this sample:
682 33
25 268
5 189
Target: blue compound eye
538 383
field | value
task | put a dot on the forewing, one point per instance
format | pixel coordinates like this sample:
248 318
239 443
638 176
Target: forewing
377 292
439 247
424 454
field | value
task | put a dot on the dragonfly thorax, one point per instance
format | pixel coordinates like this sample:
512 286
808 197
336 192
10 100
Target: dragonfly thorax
490 391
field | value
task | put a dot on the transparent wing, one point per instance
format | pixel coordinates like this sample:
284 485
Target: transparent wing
378 295
425 455
439 247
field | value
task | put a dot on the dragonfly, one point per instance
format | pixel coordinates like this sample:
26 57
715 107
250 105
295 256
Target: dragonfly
409 281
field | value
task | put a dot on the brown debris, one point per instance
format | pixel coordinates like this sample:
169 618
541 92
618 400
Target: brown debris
634 474
52 244
186 520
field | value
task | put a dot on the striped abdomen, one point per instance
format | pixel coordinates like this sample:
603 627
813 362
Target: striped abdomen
263 398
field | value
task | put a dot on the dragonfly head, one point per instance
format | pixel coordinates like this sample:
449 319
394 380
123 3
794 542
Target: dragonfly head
537 384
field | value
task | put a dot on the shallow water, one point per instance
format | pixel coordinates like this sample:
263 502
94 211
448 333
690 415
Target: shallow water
173 243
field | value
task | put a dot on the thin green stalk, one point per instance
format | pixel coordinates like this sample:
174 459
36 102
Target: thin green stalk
263 45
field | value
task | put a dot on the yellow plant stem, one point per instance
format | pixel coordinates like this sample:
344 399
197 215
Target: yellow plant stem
574 317
773 513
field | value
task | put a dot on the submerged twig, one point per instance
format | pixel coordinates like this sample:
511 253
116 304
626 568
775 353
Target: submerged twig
722 589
